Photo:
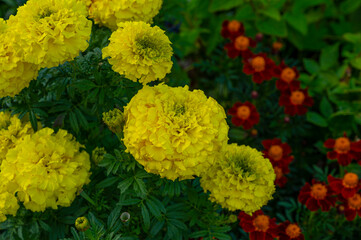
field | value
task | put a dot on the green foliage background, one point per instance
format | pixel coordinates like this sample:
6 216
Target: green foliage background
321 37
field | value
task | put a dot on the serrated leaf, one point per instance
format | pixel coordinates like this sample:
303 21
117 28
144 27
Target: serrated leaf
217 5
316 119
272 27
156 227
146 218
74 122
329 56
311 66
298 21
271 12
326 107
125 184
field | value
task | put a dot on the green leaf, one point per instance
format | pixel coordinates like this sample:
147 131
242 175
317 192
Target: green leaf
156 228
199 234
298 21
272 13
342 122
73 122
356 62
316 119
349 6
139 187
124 185
329 56
272 27
107 182
352 37
145 215
217 5
237 134
33 120
153 208
326 107
311 66
221 236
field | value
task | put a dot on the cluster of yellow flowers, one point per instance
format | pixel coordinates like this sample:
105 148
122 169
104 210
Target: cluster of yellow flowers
174 132
139 52
42 169
111 12
42 34
241 178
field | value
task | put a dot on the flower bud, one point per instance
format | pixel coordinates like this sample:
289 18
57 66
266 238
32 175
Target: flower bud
82 224
114 119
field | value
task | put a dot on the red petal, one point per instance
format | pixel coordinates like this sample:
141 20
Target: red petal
350 214
348 192
257 78
237 121
329 143
344 159
332 155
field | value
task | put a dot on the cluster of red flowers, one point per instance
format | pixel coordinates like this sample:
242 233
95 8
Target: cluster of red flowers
262 227
295 99
344 190
279 155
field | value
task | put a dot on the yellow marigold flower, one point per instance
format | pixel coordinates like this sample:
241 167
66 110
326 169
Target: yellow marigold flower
111 12
15 74
82 224
114 119
12 130
174 132
51 31
98 155
8 204
140 52
47 168
241 179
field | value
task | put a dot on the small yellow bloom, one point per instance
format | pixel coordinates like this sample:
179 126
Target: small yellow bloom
111 12
98 155
174 132
114 119
139 52
240 179
82 224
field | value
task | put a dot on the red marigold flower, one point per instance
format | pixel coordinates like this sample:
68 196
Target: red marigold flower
240 46
295 100
260 226
286 75
232 29
277 152
352 207
347 186
244 114
259 66
290 231
343 150
317 195
280 172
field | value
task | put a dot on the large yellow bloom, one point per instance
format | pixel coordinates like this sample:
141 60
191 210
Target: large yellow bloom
140 52
12 129
174 132
111 12
15 74
240 179
51 31
46 169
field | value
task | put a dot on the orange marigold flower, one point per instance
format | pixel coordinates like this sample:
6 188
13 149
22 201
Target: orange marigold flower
346 186
277 152
244 114
280 172
343 150
352 207
232 29
277 46
240 46
259 66
286 75
290 231
295 100
316 196
259 226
